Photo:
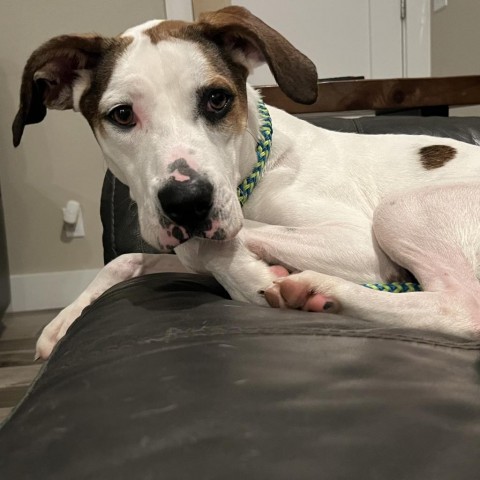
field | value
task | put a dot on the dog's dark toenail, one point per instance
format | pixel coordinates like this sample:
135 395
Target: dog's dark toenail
328 306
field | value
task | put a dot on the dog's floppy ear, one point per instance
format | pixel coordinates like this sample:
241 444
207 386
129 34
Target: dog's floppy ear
49 75
252 42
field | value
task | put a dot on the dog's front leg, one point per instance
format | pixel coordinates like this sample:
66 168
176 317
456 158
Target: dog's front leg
122 268
240 271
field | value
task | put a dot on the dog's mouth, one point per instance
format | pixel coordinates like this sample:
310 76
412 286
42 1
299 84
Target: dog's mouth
211 229
171 235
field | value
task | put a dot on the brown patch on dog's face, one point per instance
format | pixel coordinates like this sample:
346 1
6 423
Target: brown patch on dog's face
231 76
99 81
436 156
226 74
235 120
250 41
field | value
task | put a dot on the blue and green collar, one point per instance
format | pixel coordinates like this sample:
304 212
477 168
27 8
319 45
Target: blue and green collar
245 189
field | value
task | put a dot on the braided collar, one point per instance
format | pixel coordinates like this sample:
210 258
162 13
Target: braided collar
245 189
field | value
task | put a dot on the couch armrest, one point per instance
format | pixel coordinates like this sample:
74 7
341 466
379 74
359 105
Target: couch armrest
165 378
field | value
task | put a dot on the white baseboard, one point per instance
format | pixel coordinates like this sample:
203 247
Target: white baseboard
42 291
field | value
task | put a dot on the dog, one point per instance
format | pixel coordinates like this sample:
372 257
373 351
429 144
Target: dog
176 120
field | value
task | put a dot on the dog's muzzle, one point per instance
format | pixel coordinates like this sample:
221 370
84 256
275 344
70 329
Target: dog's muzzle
187 203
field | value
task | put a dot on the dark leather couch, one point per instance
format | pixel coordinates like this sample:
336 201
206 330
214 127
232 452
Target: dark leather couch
165 377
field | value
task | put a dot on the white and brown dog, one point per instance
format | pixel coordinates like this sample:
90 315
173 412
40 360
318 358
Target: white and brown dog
171 109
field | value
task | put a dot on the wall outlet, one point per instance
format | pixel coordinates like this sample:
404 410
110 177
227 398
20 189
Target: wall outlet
76 230
439 4
73 220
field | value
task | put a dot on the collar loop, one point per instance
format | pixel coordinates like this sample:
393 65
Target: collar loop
245 189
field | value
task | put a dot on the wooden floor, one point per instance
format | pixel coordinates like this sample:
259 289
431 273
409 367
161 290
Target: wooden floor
18 334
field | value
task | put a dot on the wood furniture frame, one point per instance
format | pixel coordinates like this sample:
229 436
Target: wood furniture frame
407 96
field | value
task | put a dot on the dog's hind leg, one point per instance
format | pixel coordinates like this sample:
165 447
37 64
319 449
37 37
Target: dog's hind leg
435 234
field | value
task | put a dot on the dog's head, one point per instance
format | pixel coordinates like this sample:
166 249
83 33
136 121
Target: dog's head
167 102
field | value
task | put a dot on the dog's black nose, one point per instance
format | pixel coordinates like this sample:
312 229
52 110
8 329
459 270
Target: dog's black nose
187 203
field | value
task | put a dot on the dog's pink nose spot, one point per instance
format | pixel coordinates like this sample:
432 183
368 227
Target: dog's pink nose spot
181 170
180 177
187 156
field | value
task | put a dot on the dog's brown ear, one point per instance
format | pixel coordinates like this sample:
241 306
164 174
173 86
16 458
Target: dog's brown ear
252 42
49 75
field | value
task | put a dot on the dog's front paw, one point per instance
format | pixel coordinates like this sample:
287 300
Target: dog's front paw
56 330
251 288
309 291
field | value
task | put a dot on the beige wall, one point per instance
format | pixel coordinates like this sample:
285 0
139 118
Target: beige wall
455 40
200 6
58 160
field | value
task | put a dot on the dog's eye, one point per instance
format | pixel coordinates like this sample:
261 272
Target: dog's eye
122 116
218 101
214 103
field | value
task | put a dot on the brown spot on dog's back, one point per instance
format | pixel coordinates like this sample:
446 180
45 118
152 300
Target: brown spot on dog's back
436 156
